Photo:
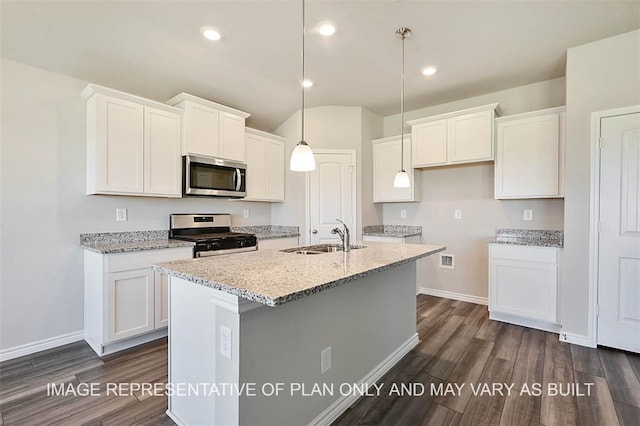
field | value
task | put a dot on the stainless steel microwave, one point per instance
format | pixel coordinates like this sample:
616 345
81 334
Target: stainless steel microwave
214 177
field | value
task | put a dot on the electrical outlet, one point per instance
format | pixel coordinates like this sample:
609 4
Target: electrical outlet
121 215
245 213
457 214
325 360
403 214
225 342
527 215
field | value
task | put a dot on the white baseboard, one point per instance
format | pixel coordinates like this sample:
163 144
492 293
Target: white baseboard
341 405
30 348
455 296
576 339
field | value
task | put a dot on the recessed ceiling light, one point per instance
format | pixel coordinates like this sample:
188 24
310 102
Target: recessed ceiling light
430 70
210 33
326 28
306 83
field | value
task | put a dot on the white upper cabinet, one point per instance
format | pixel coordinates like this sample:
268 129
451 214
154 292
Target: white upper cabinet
265 166
162 165
133 145
386 164
211 129
530 152
458 137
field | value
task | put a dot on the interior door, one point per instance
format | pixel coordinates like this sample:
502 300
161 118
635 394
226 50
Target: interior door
619 239
331 196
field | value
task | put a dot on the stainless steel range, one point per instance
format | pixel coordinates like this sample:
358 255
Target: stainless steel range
211 233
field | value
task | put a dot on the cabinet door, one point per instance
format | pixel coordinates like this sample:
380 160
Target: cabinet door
278 243
386 163
528 158
275 170
231 139
429 143
119 150
130 303
162 165
471 137
256 151
526 289
201 130
161 304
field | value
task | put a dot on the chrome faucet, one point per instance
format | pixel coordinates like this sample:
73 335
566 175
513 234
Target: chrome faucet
344 236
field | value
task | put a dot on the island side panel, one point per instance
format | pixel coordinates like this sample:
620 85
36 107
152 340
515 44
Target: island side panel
364 322
195 358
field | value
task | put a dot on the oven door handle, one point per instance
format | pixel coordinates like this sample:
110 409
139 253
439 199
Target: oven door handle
238 179
226 251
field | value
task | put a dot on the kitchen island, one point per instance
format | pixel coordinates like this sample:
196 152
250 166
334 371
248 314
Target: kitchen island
273 337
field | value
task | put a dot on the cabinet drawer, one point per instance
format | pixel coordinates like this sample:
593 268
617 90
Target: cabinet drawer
524 253
116 262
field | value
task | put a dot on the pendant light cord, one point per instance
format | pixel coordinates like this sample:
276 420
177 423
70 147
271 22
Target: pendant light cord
402 106
302 82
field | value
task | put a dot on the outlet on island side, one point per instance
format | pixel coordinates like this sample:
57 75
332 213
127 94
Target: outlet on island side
225 342
325 360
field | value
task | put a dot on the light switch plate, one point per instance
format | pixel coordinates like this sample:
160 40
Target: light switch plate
245 213
457 214
527 215
403 214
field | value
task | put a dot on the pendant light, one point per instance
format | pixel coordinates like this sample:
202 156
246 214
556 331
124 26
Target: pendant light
302 159
402 178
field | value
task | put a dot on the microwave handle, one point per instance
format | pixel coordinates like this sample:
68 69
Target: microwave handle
238 179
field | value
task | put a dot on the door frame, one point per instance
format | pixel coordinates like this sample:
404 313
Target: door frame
594 210
354 186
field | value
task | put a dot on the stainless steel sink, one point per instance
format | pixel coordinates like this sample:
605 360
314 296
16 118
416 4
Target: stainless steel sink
320 248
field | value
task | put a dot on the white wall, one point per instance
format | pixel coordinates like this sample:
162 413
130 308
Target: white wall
470 188
44 207
600 75
330 127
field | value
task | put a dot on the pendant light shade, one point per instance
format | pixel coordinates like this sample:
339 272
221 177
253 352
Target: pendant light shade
402 178
302 159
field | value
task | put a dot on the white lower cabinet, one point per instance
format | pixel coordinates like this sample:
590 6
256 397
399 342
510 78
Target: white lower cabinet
523 285
414 239
126 302
278 243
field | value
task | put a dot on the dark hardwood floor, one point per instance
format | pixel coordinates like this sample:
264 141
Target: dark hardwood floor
459 345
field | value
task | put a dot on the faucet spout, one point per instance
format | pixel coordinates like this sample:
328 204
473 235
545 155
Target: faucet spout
344 236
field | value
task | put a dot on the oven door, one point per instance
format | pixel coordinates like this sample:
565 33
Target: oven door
213 177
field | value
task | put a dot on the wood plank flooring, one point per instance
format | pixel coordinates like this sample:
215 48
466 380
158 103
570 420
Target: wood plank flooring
458 345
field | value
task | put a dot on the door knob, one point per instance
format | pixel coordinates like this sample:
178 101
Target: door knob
315 231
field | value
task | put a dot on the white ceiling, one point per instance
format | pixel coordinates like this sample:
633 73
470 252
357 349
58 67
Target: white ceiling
154 48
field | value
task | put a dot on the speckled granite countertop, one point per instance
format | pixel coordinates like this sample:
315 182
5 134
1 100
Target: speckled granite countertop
529 237
124 242
273 277
398 231
269 232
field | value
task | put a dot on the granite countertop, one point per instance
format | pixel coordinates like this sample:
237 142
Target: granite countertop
273 277
529 237
269 232
398 231
124 242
